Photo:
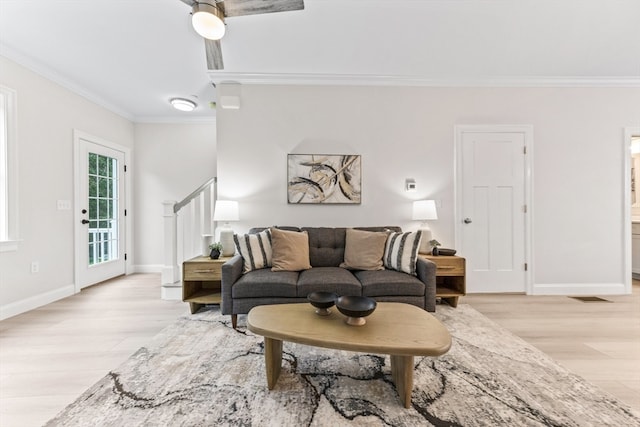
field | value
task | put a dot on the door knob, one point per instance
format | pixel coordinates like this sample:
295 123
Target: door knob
85 221
467 221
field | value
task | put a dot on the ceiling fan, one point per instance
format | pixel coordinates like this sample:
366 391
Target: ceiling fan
208 20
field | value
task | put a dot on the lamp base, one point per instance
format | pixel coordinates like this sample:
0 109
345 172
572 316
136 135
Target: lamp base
226 238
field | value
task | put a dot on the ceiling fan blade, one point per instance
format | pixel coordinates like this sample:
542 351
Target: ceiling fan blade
255 7
214 54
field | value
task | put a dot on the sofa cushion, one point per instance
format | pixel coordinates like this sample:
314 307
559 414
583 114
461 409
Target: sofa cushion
328 279
265 283
388 283
401 251
255 250
326 246
290 250
363 250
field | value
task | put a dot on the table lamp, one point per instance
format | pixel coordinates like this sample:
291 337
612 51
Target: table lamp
226 210
425 210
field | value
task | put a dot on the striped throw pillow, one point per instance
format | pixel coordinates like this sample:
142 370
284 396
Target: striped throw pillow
401 251
255 250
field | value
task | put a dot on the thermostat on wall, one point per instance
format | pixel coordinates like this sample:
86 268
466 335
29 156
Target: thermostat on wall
410 185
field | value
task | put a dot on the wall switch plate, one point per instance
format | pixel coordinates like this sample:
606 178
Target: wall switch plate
35 267
64 205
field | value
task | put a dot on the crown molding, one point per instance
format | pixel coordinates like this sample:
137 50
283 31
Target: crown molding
204 120
48 73
218 77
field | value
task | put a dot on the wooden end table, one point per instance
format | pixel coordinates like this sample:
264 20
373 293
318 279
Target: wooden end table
400 330
201 277
450 277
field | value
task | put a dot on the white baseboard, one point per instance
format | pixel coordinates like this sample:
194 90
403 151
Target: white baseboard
147 268
22 306
172 292
578 289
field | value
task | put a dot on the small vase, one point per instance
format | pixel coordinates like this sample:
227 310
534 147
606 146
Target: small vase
215 254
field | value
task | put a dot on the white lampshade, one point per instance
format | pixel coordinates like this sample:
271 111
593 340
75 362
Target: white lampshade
208 21
425 210
226 210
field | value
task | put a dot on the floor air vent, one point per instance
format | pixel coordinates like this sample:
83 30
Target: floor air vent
590 299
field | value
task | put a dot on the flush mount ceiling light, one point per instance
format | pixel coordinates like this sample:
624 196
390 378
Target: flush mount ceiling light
183 104
208 20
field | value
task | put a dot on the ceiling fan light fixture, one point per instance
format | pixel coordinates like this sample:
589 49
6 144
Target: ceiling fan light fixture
183 104
208 21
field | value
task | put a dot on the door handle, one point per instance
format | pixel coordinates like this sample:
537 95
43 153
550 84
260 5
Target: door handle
467 221
85 221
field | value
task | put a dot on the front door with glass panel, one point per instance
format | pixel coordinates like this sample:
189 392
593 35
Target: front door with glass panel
101 198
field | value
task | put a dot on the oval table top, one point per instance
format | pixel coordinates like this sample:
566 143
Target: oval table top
393 328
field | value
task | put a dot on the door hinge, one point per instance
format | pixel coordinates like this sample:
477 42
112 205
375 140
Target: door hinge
526 266
125 168
524 208
524 150
125 212
125 257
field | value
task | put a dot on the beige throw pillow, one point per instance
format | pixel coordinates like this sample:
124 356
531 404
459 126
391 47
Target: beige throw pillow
364 250
290 250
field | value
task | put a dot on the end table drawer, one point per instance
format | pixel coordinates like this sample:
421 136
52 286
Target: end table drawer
202 271
450 267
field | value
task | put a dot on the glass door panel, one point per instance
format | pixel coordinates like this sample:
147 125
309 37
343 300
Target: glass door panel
103 208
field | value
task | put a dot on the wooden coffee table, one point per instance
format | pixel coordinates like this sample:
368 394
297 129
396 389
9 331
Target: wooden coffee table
400 330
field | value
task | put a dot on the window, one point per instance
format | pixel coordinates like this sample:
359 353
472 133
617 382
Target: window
8 170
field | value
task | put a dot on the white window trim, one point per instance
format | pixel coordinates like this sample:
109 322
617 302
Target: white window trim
11 242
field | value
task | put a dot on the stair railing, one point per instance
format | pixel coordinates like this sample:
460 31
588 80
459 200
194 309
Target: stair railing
186 224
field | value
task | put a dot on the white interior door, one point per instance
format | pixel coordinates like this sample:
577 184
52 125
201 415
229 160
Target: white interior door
100 216
492 208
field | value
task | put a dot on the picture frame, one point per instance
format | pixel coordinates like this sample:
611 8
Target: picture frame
324 179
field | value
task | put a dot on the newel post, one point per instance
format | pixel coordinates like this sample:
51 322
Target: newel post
170 272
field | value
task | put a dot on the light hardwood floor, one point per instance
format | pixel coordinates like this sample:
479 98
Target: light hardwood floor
51 355
600 341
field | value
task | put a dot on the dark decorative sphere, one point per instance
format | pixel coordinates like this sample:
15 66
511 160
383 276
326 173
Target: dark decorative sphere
322 301
356 308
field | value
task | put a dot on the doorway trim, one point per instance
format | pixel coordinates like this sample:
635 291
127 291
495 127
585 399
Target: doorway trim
627 266
527 131
79 135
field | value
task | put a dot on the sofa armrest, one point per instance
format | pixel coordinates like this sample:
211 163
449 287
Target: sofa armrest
426 271
231 272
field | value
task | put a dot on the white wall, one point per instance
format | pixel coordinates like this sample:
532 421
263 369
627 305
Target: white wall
404 132
47 115
171 161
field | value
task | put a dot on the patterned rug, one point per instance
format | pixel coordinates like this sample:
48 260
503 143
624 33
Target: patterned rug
200 372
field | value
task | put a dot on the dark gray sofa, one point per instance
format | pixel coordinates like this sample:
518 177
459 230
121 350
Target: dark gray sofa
242 292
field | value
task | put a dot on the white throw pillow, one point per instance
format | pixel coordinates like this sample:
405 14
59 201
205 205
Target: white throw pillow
401 251
255 250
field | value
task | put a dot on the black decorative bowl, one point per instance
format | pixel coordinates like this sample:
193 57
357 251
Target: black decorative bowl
322 301
356 308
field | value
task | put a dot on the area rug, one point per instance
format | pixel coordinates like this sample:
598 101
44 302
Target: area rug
201 372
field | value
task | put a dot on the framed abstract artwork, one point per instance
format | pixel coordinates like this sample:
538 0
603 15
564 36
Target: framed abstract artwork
324 178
